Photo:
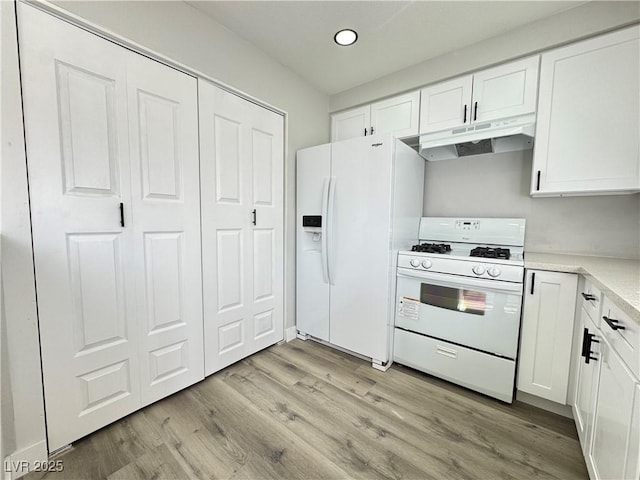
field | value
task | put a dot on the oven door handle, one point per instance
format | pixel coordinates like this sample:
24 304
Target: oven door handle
460 282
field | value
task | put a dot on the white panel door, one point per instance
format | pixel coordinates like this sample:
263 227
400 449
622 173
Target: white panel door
78 161
241 147
359 244
506 90
446 105
546 336
351 123
163 126
398 115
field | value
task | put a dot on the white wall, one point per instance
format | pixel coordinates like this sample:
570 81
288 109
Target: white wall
582 21
498 185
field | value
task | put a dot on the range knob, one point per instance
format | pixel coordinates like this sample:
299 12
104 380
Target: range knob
415 263
426 264
478 269
494 272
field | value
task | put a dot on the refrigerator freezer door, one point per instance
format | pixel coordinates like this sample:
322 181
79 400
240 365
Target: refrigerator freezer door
312 286
359 236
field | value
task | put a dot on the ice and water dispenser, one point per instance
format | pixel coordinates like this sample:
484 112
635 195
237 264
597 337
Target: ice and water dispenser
312 232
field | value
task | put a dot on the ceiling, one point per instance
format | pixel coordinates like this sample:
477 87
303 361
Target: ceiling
392 35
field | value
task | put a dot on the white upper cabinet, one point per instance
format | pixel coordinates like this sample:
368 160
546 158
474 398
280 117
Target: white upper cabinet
445 105
351 123
506 90
588 129
500 92
398 115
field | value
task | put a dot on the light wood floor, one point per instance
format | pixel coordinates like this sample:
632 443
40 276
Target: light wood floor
305 411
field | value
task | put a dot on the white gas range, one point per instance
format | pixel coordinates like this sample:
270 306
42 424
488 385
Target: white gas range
458 302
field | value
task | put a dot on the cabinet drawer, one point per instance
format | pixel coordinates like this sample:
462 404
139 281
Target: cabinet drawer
622 333
475 370
591 299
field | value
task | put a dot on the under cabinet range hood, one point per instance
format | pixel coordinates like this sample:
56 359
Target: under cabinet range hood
497 136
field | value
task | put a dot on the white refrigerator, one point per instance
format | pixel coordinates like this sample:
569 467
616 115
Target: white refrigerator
359 201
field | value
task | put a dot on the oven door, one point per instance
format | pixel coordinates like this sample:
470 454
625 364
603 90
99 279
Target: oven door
473 312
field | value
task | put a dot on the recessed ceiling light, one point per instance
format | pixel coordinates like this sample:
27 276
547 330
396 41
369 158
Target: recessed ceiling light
345 37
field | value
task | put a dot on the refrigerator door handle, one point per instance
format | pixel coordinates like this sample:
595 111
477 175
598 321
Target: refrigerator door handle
329 244
323 231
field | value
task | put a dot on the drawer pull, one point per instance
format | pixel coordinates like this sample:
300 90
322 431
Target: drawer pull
613 323
447 352
588 296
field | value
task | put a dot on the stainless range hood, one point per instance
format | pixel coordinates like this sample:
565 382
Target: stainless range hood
497 136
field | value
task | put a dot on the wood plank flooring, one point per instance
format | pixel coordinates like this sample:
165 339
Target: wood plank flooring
305 411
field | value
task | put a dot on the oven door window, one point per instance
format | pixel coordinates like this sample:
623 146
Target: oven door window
459 299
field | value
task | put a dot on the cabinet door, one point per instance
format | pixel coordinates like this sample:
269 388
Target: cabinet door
445 105
588 128
587 375
612 425
632 467
241 167
75 107
546 336
163 141
398 115
505 91
351 123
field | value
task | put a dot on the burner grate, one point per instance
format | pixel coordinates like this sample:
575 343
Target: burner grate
489 252
432 248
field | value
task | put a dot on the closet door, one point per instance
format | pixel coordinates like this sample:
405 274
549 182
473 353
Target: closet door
165 185
241 147
75 106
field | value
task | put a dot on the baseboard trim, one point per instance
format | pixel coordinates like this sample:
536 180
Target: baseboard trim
21 462
290 334
544 404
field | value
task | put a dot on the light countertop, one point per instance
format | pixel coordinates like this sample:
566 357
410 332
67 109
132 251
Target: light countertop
618 278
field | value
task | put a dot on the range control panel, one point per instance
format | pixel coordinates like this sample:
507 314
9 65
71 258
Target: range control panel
467 224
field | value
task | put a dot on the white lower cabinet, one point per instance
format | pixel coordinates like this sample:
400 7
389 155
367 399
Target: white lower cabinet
606 405
546 334
587 375
610 456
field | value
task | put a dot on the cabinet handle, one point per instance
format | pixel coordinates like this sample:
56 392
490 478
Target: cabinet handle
122 214
255 220
475 111
538 181
533 281
464 120
585 342
591 339
365 131
371 131
613 323
588 296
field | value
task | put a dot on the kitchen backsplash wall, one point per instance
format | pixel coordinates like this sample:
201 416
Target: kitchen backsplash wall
497 185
